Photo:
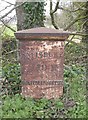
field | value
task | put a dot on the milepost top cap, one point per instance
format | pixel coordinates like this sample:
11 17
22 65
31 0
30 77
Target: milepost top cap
42 33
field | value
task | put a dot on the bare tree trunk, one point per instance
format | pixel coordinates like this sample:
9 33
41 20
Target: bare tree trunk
20 16
30 15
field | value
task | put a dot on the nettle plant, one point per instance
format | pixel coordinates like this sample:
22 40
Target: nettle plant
34 14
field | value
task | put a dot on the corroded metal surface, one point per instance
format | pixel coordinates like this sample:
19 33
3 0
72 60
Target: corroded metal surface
42 61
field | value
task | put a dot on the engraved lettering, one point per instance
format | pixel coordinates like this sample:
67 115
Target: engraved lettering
43 82
39 54
41 67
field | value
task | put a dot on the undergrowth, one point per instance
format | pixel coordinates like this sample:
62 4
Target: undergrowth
71 105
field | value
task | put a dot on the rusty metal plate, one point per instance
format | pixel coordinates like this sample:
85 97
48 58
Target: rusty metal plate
42 68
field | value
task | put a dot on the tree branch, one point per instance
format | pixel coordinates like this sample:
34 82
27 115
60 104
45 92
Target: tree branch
8 2
69 41
69 10
5 8
80 34
73 42
80 8
11 11
3 26
74 21
56 7
13 51
84 23
7 26
52 15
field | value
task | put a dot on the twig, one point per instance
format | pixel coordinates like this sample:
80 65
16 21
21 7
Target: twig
5 8
10 52
8 2
69 41
8 26
11 11
73 42
80 34
68 67
80 8
84 24
74 21
3 26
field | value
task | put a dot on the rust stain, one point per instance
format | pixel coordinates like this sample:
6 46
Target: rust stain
42 60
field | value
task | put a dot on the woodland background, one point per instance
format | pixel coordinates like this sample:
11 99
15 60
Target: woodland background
71 16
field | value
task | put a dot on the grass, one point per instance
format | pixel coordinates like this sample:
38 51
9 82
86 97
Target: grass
77 92
71 105
6 32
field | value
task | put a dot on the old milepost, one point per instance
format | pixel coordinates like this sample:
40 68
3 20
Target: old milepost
42 59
